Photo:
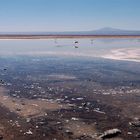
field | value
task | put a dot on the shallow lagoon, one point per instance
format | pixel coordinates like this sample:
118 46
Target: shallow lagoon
92 47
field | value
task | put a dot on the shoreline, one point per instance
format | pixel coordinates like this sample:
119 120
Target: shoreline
64 36
130 54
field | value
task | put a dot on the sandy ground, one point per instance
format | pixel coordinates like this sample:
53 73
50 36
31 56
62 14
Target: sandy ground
28 108
79 128
35 108
129 54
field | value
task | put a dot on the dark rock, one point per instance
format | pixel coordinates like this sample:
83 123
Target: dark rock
69 132
135 123
18 109
138 136
1 137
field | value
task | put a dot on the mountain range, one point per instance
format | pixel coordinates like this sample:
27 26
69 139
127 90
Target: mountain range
102 31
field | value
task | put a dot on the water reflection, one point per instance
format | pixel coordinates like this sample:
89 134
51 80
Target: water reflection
90 47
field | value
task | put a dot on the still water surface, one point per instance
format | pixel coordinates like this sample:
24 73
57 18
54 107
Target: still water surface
66 47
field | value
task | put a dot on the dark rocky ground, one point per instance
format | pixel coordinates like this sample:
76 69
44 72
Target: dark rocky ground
102 95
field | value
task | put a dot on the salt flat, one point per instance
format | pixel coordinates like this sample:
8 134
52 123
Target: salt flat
128 54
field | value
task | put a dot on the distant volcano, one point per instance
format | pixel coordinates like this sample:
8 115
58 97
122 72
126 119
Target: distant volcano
114 31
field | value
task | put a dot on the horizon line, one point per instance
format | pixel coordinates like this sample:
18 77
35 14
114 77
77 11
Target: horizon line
91 30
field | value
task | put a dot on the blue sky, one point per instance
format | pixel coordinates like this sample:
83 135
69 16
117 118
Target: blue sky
68 15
